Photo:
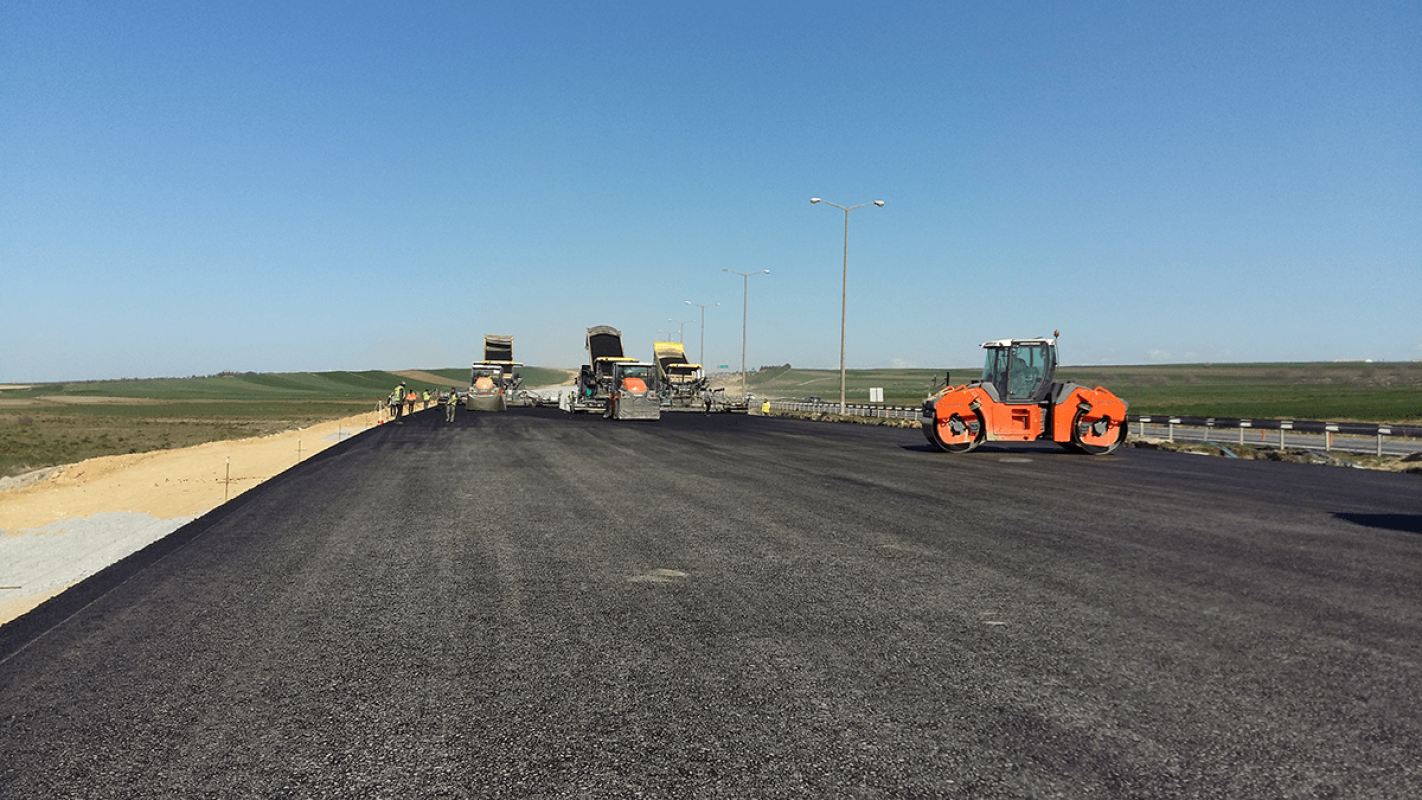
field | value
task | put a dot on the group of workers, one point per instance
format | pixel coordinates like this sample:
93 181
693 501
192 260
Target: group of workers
402 401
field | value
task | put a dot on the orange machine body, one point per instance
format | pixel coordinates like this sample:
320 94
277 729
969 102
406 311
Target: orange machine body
635 396
1016 400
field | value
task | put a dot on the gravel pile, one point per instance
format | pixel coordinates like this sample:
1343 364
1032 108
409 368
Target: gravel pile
34 560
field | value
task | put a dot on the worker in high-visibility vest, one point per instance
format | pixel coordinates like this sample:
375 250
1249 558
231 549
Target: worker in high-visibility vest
449 405
397 403
427 400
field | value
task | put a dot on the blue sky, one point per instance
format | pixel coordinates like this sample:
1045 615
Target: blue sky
187 188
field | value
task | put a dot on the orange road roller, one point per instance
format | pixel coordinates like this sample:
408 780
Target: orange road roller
1016 400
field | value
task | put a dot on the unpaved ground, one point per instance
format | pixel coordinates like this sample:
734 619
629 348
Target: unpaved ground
59 525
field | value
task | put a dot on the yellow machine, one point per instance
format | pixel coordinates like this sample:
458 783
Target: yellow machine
681 382
493 382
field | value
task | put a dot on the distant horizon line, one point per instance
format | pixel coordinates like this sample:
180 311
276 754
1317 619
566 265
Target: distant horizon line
10 385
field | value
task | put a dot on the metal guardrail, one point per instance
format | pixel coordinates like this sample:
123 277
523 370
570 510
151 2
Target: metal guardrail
1329 435
1303 426
873 410
1381 439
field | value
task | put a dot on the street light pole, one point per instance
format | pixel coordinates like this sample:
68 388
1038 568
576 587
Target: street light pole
844 293
745 295
703 307
681 336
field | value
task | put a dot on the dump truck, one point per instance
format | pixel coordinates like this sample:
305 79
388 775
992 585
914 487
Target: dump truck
493 383
1017 400
595 380
634 394
681 383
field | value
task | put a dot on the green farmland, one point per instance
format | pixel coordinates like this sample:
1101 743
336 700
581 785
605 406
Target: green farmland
1350 391
532 376
62 423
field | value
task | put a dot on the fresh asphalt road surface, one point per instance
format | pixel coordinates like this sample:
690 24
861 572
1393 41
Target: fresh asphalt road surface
532 604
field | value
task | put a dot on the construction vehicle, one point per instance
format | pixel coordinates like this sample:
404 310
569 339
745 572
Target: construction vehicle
681 382
493 384
595 381
1016 400
634 394
730 404
499 350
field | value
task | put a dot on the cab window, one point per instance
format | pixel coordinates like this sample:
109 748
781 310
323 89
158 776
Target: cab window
1027 368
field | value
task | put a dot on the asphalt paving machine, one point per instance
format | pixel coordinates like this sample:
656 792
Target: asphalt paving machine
634 394
681 382
595 380
493 384
1017 400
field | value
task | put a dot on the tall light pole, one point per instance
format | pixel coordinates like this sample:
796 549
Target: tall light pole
745 294
844 297
681 337
703 307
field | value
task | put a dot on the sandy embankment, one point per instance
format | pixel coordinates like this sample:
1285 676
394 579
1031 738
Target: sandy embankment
79 518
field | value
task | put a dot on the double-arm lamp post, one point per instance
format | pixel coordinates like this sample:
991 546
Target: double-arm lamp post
745 293
844 297
681 335
703 307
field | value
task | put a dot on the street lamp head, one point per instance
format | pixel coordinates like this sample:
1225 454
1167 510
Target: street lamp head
814 200
878 202
766 271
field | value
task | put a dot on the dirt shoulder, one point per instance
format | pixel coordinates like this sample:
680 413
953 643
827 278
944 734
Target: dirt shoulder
45 507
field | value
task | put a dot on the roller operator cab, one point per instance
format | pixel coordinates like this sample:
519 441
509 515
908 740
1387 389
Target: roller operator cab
1017 400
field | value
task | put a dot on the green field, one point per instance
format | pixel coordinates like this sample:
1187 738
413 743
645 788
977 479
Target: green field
290 386
1351 391
532 376
63 423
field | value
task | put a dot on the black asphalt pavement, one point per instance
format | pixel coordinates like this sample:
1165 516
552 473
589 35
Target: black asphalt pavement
531 604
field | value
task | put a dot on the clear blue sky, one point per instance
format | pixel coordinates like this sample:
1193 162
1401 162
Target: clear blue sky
187 188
